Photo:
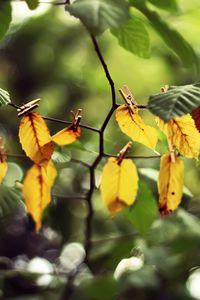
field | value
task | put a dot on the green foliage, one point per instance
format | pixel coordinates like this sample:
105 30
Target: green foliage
134 37
170 5
99 15
99 288
4 97
32 4
172 38
5 17
10 199
58 64
177 101
61 159
144 211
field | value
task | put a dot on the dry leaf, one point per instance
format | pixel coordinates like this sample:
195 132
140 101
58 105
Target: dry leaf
37 190
67 135
132 124
3 170
196 117
119 184
35 138
170 183
183 134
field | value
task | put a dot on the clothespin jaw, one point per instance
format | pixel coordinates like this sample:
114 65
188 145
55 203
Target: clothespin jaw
27 107
123 152
76 119
3 155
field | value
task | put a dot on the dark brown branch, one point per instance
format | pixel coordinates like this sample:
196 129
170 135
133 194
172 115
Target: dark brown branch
89 219
107 73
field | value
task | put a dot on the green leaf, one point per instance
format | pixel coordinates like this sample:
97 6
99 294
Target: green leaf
172 38
4 97
133 37
99 15
10 199
144 211
14 174
170 5
79 146
5 17
177 101
32 4
100 288
60 159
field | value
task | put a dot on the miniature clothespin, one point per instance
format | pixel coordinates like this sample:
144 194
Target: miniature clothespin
77 118
164 88
128 98
27 107
123 152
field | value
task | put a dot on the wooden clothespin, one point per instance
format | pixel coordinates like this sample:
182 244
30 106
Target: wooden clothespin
76 119
27 107
128 98
123 152
164 88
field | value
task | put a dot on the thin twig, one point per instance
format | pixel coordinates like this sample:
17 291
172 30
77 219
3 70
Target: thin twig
134 156
69 122
80 162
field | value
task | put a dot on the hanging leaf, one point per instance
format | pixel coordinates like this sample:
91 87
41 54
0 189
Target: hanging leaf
35 138
196 117
170 183
176 101
3 170
32 4
5 17
67 135
132 125
183 134
144 211
134 37
99 15
37 190
4 97
119 184
172 38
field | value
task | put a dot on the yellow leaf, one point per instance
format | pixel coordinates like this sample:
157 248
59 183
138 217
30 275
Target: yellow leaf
35 138
132 124
37 190
183 134
170 183
3 170
67 135
119 184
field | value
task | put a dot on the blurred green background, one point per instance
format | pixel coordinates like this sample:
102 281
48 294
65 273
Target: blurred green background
48 54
